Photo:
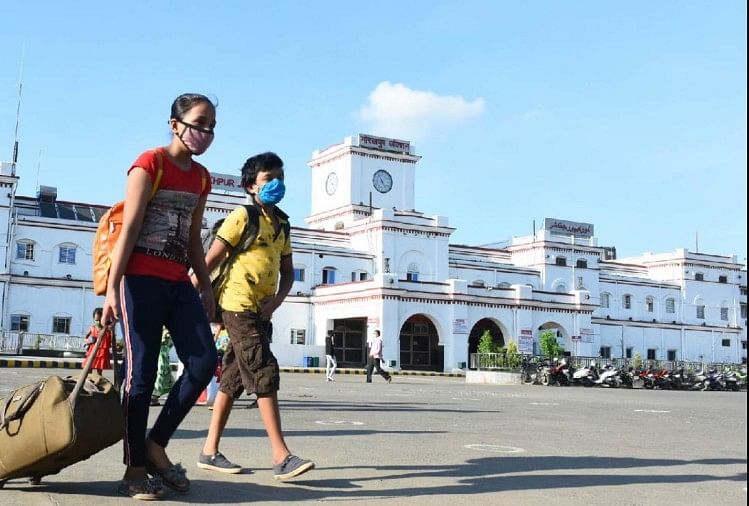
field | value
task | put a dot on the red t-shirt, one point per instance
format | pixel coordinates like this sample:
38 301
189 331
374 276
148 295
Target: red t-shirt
161 248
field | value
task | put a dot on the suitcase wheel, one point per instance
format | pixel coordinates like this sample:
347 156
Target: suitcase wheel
2 484
35 480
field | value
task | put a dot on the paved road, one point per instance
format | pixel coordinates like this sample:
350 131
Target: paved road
442 441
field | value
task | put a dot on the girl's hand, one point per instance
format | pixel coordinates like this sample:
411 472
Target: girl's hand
111 309
209 302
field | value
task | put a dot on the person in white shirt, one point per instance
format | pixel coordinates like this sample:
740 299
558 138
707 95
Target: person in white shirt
375 358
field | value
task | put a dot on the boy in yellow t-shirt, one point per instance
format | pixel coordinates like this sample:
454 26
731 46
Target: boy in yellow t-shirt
258 281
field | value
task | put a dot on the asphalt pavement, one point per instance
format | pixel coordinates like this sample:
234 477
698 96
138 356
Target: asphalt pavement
440 440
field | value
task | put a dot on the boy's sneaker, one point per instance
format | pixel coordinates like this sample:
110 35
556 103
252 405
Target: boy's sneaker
217 462
290 467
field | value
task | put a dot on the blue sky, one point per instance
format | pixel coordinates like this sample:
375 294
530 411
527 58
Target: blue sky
630 115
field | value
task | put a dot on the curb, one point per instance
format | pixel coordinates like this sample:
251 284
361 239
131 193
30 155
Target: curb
73 364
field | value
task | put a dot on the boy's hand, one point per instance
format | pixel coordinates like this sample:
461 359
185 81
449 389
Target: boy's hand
267 306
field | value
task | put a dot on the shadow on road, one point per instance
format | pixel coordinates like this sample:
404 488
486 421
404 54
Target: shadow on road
475 476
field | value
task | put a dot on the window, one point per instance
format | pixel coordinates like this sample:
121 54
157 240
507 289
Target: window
605 300
699 277
579 285
298 336
650 304
561 288
700 311
19 322
722 279
24 250
605 351
61 325
628 352
743 290
651 353
67 255
670 305
627 302
363 276
724 314
412 274
581 263
358 276
328 276
726 343
671 355
299 274
504 284
479 283
743 310
561 261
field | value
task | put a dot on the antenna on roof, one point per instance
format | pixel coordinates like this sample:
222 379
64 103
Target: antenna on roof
38 167
18 113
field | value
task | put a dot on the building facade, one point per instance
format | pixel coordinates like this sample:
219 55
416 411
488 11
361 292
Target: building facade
367 260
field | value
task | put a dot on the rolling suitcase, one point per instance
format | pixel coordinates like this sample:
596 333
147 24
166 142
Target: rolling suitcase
51 424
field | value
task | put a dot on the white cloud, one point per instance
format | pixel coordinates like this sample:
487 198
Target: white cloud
395 110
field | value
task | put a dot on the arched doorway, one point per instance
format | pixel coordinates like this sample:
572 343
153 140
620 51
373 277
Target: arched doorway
419 345
561 334
478 330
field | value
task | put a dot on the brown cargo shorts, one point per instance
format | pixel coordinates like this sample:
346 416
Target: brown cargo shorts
248 364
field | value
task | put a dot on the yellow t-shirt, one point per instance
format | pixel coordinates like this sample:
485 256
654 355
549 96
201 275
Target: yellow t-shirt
253 275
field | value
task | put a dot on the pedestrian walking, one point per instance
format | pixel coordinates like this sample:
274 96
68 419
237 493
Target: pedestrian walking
148 288
374 359
257 281
330 361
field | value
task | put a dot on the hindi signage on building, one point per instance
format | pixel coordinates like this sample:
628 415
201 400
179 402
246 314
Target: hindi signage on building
226 182
586 335
564 227
384 144
460 326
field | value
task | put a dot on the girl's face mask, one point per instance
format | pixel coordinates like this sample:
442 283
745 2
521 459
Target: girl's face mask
195 138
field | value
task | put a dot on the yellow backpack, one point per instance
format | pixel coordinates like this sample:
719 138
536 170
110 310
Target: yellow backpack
110 226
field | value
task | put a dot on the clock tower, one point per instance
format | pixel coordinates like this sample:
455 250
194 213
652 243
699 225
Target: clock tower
363 170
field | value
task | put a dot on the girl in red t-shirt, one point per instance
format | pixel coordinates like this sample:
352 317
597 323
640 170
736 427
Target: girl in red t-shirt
103 356
148 289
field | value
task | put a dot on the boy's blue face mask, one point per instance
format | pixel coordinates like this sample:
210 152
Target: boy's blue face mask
272 192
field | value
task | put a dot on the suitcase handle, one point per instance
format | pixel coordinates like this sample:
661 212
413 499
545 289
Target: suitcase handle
26 401
73 397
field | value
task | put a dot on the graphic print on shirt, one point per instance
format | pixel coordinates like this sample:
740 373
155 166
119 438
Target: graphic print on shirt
166 225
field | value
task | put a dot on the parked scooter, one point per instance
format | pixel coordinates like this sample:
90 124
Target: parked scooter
558 374
609 377
586 376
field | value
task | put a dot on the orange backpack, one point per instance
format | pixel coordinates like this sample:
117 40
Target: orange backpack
108 231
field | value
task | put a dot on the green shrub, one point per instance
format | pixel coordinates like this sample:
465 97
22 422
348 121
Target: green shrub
549 345
486 343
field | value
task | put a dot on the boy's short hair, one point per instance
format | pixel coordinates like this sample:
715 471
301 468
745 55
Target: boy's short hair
264 162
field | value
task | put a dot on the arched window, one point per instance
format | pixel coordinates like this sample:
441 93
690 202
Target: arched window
650 304
670 305
479 283
699 305
605 300
66 253
561 288
328 275
359 275
724 311
581 263
412 274
627 301
504 284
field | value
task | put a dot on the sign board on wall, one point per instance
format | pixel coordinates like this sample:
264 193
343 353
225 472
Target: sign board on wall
225 182
460 326
564 227
525 341
586 335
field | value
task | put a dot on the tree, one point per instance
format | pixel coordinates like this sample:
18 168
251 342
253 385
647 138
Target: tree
486 343
549 345
637 360
513 357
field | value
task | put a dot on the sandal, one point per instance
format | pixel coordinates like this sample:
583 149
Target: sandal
174 476
150 489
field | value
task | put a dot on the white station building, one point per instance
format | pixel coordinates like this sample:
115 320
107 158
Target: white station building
367 260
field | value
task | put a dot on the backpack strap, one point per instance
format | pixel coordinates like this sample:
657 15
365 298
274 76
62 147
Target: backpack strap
159 172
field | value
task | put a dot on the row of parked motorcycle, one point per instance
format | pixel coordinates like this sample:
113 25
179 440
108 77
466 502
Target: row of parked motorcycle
561 373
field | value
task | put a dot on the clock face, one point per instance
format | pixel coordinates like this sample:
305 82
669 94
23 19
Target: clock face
331 183
383 181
